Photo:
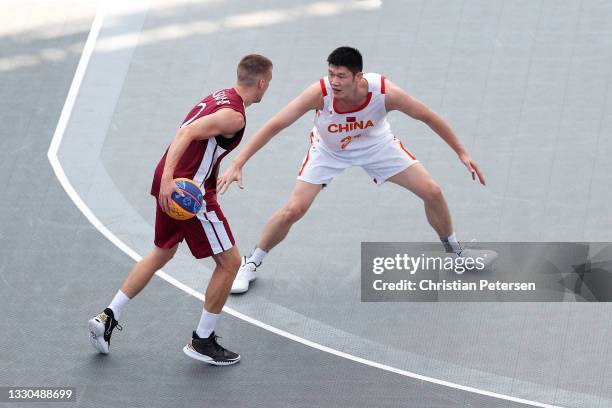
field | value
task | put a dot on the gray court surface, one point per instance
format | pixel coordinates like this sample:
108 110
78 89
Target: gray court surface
526 86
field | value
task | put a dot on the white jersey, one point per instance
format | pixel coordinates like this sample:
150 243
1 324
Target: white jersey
358 129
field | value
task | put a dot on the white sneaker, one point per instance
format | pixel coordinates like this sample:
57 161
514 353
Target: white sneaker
484 257
246 275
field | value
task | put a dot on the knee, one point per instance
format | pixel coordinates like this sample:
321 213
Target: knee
230 263
163 255
234 263
292 212
433 193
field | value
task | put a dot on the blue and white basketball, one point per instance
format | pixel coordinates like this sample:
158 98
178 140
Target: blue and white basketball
184 208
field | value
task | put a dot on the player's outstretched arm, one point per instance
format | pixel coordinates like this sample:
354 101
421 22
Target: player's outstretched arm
224 122
311 98
397 99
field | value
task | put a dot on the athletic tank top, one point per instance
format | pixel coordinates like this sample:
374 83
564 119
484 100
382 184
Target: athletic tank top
358 129
201 160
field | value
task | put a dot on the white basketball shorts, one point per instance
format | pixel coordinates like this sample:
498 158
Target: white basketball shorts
380 161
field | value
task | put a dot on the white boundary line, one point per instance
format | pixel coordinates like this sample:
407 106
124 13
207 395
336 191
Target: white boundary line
74 196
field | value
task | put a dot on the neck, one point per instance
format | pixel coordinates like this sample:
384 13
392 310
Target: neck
244 93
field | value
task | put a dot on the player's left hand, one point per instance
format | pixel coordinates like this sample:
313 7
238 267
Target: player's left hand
472 167
233 173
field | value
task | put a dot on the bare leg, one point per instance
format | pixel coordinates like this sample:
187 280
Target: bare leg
416 179
221 281
144 270
280 223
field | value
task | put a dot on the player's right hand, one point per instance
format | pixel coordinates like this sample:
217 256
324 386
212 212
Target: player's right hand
166 188
233 173
472 167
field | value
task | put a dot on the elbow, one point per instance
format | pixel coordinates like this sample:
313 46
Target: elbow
239 122
275 126
282 123
184 134
230 126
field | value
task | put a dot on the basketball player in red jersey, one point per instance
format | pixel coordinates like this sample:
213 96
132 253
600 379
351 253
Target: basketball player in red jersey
212 129
350 129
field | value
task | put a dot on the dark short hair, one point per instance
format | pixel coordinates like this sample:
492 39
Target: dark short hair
252 67
348 57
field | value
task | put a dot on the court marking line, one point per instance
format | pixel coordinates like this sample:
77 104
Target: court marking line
52 155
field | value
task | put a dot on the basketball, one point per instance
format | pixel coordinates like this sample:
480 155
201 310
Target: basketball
184 208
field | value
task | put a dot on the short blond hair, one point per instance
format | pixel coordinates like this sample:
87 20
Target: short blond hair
252 67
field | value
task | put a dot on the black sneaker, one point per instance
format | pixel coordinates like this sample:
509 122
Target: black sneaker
101 329
209 351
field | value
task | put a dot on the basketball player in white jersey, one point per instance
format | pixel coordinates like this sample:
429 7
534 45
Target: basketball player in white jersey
350 129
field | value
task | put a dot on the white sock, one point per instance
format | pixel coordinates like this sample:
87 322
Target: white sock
119 302
207 324
257 256
451 244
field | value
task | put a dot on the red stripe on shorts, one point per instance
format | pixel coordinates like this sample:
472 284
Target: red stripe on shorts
304 164
407 152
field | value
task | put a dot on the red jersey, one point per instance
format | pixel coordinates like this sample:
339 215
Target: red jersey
201 159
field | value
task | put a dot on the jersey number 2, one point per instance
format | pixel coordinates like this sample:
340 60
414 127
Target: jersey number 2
345 141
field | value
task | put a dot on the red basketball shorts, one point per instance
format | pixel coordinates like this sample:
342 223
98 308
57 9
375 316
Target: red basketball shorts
207 233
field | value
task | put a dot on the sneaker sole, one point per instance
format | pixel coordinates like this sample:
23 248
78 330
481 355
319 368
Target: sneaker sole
238 291
200 357
492 257
241 290
96 336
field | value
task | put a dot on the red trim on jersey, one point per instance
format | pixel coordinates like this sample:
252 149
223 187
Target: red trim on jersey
363 105
323 88
305 160
407 152
382 84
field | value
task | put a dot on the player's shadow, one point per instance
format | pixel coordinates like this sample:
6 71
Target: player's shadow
583 276
561 272
592 282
